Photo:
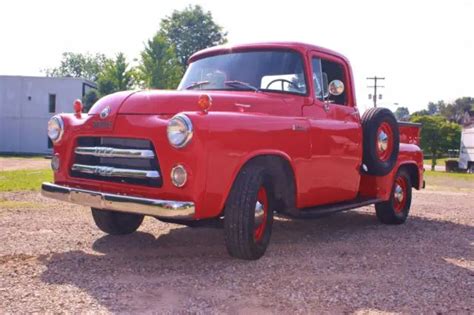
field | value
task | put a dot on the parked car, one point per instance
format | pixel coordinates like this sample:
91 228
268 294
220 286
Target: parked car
252 131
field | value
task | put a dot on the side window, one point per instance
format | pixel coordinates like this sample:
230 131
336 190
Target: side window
334 71
52 103
318 79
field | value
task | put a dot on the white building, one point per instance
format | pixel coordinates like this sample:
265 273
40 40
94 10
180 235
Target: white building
27 103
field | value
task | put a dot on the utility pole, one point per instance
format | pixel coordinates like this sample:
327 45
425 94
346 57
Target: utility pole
375 86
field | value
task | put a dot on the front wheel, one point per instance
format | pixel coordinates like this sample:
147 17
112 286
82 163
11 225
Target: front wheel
116 223
248 216
395 210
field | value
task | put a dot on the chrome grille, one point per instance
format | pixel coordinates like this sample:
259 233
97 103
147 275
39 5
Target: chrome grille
131 161
113 152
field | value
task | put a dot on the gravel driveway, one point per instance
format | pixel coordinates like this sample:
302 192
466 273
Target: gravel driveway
53 258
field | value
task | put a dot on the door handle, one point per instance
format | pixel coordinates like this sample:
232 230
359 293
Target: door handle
296 127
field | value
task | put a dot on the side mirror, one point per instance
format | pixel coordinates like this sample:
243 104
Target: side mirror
336 87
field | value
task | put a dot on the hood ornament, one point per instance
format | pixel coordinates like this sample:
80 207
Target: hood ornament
105 112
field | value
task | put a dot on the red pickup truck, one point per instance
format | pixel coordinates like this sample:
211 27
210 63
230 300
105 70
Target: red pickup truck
252 131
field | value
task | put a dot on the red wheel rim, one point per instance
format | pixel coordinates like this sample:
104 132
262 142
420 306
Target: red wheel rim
384 141
261 212
400 195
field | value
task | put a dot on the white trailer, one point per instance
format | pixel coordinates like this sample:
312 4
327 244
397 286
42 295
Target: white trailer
466 153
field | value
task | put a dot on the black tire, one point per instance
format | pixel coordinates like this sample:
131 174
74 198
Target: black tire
116 223
372 120
392 211
239 214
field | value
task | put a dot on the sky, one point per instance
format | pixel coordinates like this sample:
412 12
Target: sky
424 48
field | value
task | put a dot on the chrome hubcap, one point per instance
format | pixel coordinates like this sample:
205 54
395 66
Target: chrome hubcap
382 141
259 213
398 194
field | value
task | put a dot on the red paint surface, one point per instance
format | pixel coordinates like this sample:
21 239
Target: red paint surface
324 148
263 199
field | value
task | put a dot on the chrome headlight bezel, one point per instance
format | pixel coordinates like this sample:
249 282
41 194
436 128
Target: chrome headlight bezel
177 172
55 124
179 131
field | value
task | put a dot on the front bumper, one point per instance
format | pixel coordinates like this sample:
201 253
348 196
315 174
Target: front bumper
154 207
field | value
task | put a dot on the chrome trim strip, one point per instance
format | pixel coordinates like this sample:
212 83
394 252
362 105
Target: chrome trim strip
114 152
108 171
154 207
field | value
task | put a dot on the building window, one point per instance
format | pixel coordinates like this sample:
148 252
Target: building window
50 143
52 103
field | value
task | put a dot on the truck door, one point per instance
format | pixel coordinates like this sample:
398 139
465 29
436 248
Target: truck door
336 134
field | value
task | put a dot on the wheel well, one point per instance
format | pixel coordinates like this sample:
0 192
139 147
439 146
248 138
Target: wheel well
412 169
282 179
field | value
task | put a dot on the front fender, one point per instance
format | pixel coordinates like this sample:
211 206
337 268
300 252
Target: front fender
236 138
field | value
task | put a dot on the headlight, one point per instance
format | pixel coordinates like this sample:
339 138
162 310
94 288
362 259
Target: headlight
180 130
55 128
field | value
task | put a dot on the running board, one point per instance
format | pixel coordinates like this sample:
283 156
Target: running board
319 211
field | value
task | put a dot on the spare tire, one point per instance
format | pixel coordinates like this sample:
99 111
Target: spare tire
381 141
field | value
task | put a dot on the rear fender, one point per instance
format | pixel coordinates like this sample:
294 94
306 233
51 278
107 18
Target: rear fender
411 157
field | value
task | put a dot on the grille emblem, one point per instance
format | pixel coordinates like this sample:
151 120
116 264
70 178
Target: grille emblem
105 112
104 171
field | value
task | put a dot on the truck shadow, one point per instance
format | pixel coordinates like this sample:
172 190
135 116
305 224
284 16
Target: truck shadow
349 256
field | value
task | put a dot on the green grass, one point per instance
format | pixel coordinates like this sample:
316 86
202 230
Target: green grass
438 161
440 175
24 179
442 181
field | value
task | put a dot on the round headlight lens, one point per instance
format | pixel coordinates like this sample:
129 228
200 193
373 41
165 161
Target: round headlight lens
55 128
180 131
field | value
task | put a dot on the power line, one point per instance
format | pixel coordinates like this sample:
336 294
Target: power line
375 86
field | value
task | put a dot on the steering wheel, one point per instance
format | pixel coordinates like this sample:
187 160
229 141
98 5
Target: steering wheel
282 82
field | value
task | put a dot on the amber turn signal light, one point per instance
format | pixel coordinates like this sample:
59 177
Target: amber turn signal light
205 102
78 107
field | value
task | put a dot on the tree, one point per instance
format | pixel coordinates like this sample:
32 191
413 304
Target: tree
159 68
191 30
434 108
455 111
402 114
89 99
422 112
437 135
77 65
115 76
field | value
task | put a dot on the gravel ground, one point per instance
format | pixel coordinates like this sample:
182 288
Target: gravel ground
53 259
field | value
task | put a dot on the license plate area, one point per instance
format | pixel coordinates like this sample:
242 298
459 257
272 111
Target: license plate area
86 198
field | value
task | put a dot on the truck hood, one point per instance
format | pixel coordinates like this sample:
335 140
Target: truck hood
172 102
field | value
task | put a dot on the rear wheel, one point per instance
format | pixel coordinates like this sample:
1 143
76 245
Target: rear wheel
116 223
248 214
395 210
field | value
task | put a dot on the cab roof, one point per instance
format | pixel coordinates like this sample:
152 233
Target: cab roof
297 46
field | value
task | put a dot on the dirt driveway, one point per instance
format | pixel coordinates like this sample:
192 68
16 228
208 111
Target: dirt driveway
17 163
53 258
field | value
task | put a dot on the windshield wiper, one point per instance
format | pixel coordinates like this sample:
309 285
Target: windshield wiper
196 84
240 83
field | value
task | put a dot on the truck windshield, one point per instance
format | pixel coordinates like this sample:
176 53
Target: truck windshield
269 70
